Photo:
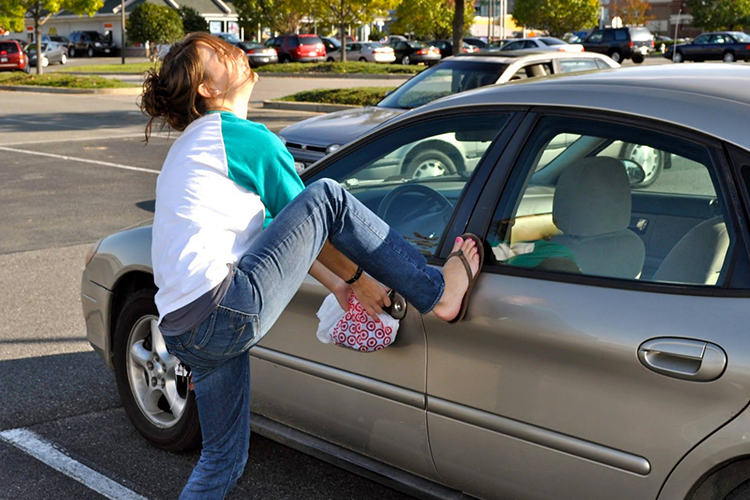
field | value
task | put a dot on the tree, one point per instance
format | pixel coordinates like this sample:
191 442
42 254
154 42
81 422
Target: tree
154 24
557 16
343 13
633 12
13 12
713 15
430 18
192 20
458 25
282 16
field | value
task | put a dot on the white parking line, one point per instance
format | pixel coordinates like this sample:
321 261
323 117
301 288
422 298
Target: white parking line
81 160
45 452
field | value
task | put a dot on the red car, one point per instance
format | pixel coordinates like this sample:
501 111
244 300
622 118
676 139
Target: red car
12 57
298 48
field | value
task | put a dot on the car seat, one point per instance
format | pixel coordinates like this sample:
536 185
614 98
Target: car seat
592 208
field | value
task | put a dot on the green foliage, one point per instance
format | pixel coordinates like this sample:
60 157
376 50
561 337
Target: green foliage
192 20
155 24
557 16
355 96
11 15
715 15
64 81
342 68
128 68
376 34
430 19
282 16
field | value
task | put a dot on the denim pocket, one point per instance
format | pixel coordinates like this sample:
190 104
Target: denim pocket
226 332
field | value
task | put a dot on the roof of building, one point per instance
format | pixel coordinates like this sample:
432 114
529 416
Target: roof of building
205 7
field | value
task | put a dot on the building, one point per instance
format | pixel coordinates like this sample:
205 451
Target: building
665 13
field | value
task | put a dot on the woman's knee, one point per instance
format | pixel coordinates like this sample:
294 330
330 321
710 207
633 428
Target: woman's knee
325 188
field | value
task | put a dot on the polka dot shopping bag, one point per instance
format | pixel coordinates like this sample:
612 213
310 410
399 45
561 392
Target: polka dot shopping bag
354 328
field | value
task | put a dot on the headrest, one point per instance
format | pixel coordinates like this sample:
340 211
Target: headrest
592 197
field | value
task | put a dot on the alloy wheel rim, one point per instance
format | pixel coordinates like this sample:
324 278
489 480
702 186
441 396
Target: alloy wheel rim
648 158
728 57
159 394
429 168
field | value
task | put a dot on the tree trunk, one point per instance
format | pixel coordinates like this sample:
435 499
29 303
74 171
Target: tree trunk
458 27
39 53
342 37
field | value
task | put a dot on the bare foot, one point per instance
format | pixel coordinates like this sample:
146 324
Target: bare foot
456 280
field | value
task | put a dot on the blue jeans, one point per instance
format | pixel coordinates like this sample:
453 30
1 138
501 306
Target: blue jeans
264 281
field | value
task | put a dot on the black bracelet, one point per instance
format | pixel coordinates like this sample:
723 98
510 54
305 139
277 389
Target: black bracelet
355 277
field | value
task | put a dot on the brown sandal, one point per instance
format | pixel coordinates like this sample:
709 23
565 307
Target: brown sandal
472 279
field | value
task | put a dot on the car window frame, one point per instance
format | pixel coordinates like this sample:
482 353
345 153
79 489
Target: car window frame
725 185
474 184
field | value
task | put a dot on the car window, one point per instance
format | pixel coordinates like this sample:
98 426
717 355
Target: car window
532 71
513 46
621 35
441 80
720 39
640 34
530 44
595 37
609 36
601 199
413 177
8 47
292 41
741 37
602 64
552 41
573 65
401 46
310 40
701 40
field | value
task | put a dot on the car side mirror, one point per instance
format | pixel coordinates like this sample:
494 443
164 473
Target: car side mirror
388 93
635 172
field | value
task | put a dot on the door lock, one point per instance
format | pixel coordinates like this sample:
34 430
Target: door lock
686 359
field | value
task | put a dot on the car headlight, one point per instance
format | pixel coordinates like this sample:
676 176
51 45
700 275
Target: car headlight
332 148
92 251
97 44
283 141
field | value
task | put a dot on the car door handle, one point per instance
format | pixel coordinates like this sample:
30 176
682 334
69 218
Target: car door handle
397 309
686 359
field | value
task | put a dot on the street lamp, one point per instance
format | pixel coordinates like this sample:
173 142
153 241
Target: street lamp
122 30
676 26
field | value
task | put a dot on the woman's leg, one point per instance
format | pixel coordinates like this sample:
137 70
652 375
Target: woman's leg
282 254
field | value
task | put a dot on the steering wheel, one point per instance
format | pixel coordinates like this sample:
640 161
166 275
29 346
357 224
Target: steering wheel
440 200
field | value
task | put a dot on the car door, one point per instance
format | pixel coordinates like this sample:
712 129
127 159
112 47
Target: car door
374 403
401 49
595 42
576 375
698 50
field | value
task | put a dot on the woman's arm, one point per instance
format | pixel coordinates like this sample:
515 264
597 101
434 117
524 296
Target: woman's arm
335 284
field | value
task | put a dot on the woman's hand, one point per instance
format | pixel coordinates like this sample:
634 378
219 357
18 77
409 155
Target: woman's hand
342 291
372 295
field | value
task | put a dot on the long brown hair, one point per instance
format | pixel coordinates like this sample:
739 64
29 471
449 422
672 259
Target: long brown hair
170 93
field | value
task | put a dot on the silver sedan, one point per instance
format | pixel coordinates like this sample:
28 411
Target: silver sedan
364 52
53 52
604 354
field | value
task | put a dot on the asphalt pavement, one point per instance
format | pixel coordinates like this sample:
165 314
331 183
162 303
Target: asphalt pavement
74 169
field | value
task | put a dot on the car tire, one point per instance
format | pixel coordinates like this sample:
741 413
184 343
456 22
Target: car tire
72 52
362 59
45 62
90 52
27 69
638 58
640 154
406 60
330 59
615 55
729 57
133 333
63 59
285 59
428 163
678 57
741 492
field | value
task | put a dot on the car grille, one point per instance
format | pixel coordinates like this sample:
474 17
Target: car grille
306 147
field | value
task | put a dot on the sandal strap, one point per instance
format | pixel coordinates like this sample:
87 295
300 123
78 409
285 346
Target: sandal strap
460 255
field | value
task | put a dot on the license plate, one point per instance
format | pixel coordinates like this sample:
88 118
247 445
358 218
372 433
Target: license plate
3 59
644 50
313 53
106 51
265 59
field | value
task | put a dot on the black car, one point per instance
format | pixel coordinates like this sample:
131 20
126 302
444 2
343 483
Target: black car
620 43
727 46
446 47
476 42
91 43
408 52
257 54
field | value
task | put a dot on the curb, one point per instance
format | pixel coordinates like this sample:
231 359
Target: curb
313 107
353 76
60 90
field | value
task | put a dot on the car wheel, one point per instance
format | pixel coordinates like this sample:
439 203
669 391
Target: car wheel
72 52
90 52
158 402
651 161
678 57
27 69
45 62
362 59
330 59
428 163
638 58
741 492
63 59
729 57
615 56
406 61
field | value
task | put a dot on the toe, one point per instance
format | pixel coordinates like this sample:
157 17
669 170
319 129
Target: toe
458 244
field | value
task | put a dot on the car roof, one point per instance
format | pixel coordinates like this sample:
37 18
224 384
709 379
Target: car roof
683 95
511 56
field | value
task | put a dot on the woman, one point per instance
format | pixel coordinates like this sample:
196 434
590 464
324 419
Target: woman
234 234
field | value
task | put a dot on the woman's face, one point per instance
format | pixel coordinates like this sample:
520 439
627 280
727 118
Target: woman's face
230 79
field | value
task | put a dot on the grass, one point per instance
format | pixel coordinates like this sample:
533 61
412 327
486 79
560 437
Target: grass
356 96
127 68
339 68
63 81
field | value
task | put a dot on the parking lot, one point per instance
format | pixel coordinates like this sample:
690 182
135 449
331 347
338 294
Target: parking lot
75 169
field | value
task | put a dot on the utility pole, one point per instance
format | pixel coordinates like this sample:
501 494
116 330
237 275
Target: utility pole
676 26
122 29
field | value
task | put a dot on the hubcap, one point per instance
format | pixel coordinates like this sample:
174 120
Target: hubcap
160 394
430 168
648 158
728 58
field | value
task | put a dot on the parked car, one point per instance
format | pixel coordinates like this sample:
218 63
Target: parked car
91 43
393 39
497 45
364 52
230 38
298 48
476 42
446 47
258 55
542 43
331 44
311 139
621 43
727 46
606 362
12 56
415 52
52 53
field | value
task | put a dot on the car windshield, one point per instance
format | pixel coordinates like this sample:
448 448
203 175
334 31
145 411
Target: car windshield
373 45
231 38
552 41
96 36
449 77
741 37
8 47
640 34
309 40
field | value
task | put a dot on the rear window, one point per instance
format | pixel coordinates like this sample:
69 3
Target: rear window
310 40
415 45
8 47
552 41
640 34
621 35
741 37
